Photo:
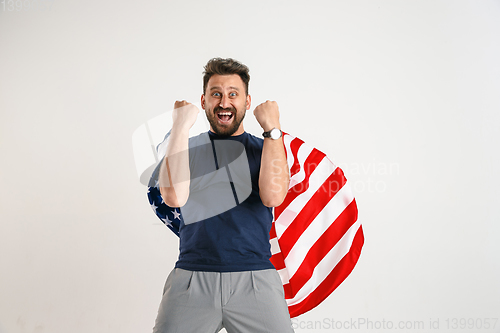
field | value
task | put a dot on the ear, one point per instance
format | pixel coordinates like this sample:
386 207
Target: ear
249 101
203 101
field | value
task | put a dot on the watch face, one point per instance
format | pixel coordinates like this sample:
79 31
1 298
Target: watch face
275 134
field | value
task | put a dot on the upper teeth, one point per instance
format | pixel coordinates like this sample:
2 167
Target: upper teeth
225 113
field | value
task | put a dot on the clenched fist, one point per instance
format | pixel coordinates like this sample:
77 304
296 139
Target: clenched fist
184 115
268 115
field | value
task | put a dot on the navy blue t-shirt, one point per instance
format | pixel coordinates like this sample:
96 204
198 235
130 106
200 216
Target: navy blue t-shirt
236 239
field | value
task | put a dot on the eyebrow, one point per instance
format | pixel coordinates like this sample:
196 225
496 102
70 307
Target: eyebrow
219 88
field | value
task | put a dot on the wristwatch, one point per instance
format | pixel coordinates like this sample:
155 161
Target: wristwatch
274 134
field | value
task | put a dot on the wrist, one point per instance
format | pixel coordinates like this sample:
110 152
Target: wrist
274 134
270 126
180 129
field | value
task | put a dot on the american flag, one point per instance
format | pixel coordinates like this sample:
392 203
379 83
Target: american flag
316 238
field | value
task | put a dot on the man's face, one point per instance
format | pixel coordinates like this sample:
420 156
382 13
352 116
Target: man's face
225 103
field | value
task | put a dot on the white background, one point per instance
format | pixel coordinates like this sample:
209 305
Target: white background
404 95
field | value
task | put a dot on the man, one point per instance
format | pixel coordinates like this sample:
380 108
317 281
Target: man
223 277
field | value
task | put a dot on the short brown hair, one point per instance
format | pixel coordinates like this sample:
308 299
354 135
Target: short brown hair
225 67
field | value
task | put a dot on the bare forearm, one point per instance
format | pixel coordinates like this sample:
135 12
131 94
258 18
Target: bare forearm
174 171
174 177
273 179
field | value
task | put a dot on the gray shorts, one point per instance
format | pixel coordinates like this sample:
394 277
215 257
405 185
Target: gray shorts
205 302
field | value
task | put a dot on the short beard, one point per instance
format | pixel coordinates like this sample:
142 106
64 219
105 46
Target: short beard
225 131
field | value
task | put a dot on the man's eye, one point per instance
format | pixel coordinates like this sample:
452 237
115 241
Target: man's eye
216 94
232 94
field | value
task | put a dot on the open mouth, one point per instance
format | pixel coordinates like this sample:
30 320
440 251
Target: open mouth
225 117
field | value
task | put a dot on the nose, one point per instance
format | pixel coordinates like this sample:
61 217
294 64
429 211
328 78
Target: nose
224 102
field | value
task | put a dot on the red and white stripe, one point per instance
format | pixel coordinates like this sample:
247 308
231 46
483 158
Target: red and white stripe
316 238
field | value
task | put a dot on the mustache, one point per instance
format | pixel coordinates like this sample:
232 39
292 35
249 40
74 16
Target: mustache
218 108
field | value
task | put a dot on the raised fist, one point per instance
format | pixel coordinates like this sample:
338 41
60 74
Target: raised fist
268 115
184 114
